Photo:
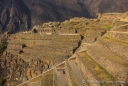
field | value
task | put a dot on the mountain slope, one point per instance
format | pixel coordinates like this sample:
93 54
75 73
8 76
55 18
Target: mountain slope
19 15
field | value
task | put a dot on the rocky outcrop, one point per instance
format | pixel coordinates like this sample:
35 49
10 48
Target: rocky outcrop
11 67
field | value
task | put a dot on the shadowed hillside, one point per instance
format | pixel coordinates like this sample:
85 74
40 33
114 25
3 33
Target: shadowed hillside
20 15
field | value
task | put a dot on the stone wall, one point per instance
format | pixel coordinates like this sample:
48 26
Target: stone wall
111 16
42 36
90 36
15 46
115 46
94 33
122 36
45 56
67 50
54 48
31 43
87 73
14 52
89 40
114 68
121 28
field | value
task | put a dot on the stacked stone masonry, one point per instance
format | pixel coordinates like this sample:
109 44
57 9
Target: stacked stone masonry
122 36
42 46
87 73
113 67
117 47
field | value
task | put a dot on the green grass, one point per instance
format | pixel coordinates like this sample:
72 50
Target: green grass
95 68
107 27
1 82
56 81
119 59
48 80
3 47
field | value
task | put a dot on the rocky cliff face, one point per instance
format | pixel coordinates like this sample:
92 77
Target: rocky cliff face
19 15
14 15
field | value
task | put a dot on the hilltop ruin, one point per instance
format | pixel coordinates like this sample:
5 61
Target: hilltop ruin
72 52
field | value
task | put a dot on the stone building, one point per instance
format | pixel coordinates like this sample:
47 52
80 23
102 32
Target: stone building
47 31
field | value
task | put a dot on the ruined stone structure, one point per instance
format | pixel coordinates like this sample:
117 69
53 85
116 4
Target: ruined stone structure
110 16
36 52
44 31
52 47
61 54
101 63
113 16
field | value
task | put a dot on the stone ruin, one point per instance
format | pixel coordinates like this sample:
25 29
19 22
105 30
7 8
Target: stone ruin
45 48
35 52
113 16
110 16
43 44
43 31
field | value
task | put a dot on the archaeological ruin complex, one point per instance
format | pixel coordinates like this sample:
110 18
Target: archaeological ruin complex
75 52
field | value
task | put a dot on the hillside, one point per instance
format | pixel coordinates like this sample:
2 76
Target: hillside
72 52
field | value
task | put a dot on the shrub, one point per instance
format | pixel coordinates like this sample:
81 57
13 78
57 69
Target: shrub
1 82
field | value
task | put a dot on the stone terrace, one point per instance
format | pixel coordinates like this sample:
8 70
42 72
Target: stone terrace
42 46
105 61
111 52
98 61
